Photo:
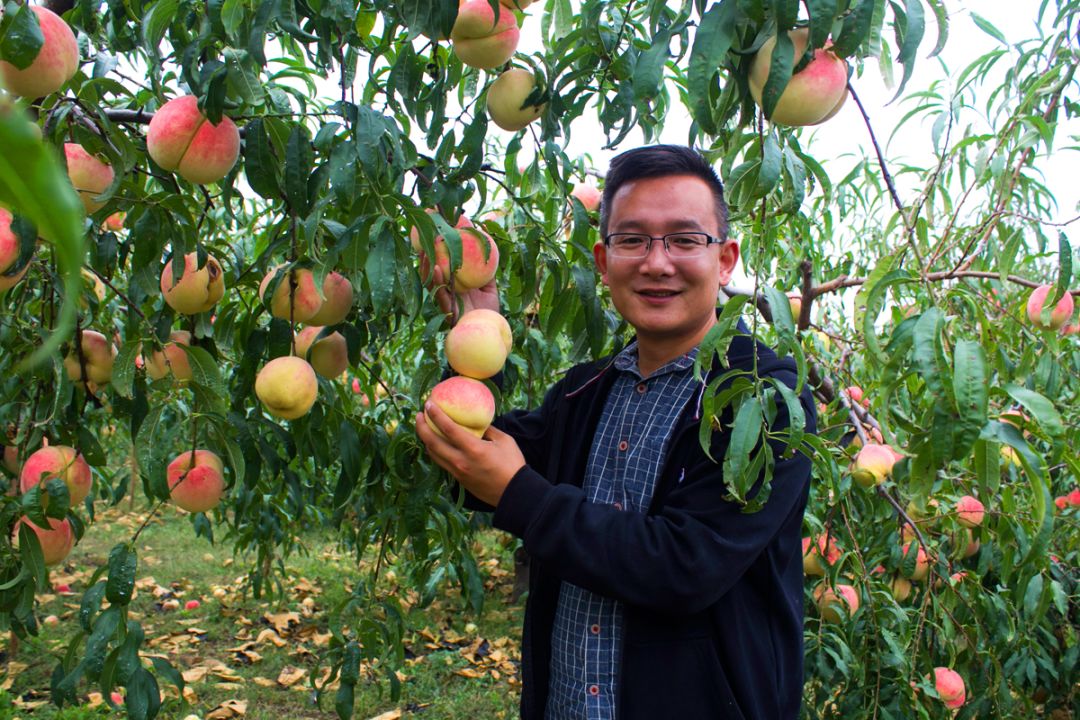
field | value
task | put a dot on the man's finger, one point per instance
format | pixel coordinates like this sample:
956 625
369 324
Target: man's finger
455 434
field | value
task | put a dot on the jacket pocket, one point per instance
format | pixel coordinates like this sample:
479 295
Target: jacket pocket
679 679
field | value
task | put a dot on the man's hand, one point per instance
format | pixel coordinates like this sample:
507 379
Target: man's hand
453 304
484 467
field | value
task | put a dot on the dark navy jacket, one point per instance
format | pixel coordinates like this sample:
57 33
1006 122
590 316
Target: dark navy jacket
713 596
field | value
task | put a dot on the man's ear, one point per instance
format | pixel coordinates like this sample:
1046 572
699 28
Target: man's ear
729 258
599 252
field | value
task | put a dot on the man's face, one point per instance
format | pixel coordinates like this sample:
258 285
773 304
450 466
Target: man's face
666 300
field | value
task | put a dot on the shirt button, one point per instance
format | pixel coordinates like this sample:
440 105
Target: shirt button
595 629
623 445
594 690
641 387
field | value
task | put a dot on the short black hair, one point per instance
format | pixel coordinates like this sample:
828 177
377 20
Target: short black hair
661 161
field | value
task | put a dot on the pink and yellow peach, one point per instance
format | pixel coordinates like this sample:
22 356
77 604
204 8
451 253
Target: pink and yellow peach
89 175
172 358
196 480
299 304
55 64
950 687
832 601
98 355
506 100
56 541
329 356
337 299
1060 315
198 289
181 139
57 461
814 94
478 345
475 271
466 401
9 242
482 40
287 387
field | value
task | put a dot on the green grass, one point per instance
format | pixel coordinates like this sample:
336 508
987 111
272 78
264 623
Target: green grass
175 565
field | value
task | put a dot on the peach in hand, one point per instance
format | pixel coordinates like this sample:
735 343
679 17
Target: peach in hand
181 139
466 401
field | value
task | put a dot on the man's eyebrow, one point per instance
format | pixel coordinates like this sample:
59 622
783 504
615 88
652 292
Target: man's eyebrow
671 225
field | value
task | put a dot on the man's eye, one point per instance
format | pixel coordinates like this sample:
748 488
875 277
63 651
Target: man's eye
684 240
632 241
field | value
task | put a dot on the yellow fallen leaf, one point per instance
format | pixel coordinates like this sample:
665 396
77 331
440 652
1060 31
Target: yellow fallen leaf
290 675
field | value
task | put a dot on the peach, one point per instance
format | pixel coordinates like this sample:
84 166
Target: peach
588 195
815 553
172 358
98 355
55 64
58 461
329 356
9 242
950 687
873 464
901 588
88 175
198 289
830 601
467 402
922 562
969 511
1061 313
482 40
295 305
414 234
506 100
474 271
115 222
196 480
337 299
287 387
56 541
478 345
855 393
795 303
11 459
181 139
814 94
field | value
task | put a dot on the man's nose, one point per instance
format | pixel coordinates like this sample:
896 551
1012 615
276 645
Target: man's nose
656 258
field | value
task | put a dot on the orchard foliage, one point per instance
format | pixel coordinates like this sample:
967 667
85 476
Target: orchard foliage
913 278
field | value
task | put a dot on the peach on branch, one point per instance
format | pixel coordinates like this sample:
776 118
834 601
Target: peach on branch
482 39
181 139
115 222
969 511
1060 315
88 175
329 356
922 561
873 464
196 480
478 345
467 402
9 242
96 363
856 394
57 461
198 289
56 541
414 234
812 95
337 299
832 601
172 358
795 303
475 271
506 100
901 588
588 195
55 64
950 687
816 551
287 387
298 304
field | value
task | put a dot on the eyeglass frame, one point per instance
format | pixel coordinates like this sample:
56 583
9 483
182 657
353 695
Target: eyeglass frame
709 240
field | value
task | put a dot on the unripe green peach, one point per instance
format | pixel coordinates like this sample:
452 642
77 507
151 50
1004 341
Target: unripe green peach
181 139
287 387
55 64
506 100
198 289
478 345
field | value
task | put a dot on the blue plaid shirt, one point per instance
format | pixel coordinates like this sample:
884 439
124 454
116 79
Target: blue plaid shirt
624 463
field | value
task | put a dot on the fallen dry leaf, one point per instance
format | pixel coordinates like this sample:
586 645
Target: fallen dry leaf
290 675
228 710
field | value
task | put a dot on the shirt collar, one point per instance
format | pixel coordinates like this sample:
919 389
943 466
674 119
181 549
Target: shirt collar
627 361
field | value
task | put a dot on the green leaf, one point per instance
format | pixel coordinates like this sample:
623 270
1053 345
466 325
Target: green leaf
941 18
123 561
299 159
745 433
782 62
822 15
856 29
914 28
713 39
156 21
927 352
988 27
232 17
970 388
33 561
123 375
1041 409
649 68
23 39
769 170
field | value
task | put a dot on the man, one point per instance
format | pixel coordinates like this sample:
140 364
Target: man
651 596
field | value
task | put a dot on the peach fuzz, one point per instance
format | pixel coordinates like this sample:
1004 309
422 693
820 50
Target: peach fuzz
1060 315
329 356
88 175
337 299
814 94
196 480
181 139
478 345
55 64
969 511
287 387
295 305
58 461
506 100
97 361
466 401
831 601
482 40
9 242
950 687
172 358
474 271
56 541
198 289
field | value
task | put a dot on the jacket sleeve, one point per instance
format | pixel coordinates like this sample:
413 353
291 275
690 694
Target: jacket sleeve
681 559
